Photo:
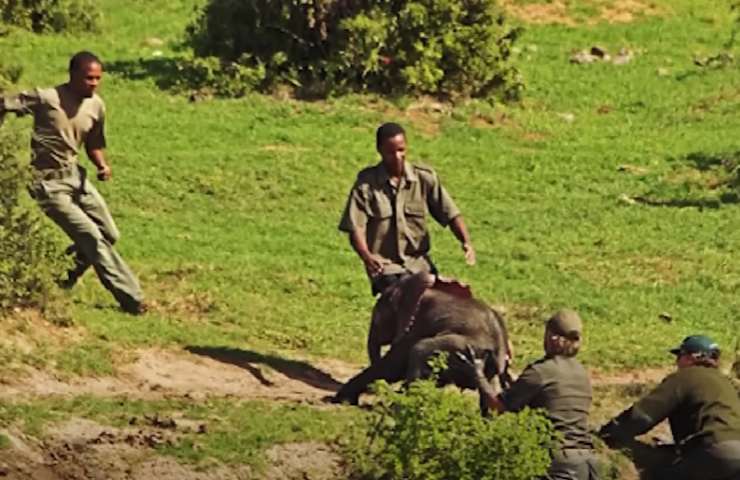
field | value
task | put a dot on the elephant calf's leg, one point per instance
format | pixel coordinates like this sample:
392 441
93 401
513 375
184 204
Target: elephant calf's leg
390 368
422 350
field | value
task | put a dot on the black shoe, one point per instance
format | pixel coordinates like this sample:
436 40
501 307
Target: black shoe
136 308
67 283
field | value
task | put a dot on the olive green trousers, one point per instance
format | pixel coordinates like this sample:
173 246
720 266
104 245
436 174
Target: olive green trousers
72 202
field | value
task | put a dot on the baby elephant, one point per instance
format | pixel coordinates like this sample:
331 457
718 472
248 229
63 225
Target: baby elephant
443 322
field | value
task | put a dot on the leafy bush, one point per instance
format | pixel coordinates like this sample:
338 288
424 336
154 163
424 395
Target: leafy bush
439 47
29 250
437 434
45 16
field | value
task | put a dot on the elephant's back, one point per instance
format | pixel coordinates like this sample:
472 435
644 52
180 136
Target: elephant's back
442 312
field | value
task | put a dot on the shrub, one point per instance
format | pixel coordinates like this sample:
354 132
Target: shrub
438 47
29 250
437 434
46 16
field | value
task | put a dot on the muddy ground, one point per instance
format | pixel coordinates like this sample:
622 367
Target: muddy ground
80 449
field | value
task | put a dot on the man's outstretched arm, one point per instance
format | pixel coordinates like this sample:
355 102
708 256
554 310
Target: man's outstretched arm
20 104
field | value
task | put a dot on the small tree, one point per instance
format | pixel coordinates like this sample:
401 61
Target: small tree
427 433
29 252
438 47
46 16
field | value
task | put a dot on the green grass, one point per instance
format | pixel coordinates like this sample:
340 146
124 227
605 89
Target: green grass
228 208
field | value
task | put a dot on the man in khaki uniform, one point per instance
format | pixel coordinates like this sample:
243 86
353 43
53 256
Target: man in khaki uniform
65 118
560 386
385 218
703 409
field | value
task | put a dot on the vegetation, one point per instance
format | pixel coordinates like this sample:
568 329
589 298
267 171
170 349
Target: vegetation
434 434
608 189
29 252
438 47
45 16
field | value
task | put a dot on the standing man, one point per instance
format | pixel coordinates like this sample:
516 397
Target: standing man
703 409
385 218
560 385
66 117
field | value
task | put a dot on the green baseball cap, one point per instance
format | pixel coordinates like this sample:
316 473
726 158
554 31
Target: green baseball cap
696 344
567 323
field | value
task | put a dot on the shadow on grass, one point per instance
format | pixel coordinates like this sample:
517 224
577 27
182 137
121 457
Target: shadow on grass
700 203
703 161
721 173
164 71
246 359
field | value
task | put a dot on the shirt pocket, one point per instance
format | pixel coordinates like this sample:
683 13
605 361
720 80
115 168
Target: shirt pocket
416 228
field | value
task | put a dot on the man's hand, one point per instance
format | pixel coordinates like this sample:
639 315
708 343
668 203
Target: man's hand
373 264
104 172
469 253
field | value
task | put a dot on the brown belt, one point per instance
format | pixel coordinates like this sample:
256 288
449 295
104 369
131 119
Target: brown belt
56 173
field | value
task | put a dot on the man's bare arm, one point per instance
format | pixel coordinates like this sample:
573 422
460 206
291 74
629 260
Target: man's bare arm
460 230
373 263
97 156
476 368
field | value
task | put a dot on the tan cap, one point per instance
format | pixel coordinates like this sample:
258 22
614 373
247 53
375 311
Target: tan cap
567 323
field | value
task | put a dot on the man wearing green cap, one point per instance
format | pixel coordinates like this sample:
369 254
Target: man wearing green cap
560 385
703 409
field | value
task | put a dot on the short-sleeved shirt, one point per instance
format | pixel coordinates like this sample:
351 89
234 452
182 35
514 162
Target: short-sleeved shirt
700 403
62 124
561 386
394 216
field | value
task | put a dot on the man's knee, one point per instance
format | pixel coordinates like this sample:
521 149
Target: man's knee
91 245
111 234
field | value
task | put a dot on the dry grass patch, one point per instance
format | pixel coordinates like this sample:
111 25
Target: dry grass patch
572 12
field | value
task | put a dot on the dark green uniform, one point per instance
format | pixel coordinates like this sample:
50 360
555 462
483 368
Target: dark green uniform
561 386
394 216
703 409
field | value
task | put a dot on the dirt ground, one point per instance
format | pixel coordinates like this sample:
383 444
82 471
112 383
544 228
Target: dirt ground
81 449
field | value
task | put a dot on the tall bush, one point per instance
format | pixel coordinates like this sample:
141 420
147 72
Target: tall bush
438 47
427 433
46 16
29 251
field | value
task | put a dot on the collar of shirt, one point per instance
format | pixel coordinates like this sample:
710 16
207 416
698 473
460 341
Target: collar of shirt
409 175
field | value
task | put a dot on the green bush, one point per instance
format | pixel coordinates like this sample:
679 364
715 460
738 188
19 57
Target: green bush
427 433
439 47
46 16
29 251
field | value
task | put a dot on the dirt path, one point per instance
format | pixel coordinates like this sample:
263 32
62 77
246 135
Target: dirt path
196 374
80 449
201 372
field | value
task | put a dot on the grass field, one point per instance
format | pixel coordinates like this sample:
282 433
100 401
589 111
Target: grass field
229 208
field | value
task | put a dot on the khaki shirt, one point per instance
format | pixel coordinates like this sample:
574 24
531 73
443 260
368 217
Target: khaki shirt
394 217
62 124
560 386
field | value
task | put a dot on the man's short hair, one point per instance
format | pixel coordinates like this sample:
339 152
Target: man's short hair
80 59
386 131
